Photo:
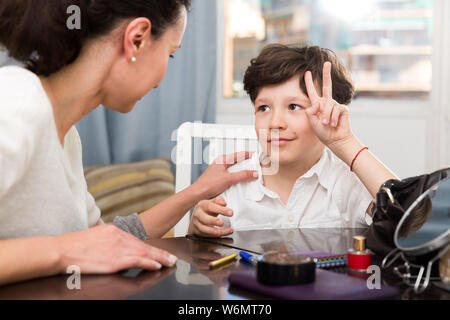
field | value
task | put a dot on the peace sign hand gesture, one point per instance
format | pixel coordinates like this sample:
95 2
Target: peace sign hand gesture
328 118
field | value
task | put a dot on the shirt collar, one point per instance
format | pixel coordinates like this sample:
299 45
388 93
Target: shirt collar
255 190
317 168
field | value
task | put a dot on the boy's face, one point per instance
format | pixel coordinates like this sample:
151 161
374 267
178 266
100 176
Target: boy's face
282 125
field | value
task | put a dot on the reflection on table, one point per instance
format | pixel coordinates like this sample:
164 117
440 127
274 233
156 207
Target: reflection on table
192 279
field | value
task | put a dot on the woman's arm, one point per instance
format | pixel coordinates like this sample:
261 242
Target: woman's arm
98 250
159 219
28 258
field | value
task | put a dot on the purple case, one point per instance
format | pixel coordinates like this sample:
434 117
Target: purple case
327 286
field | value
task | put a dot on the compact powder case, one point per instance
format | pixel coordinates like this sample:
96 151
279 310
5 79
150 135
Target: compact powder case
275 268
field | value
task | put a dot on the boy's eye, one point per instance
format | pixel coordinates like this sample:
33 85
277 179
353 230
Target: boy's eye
263 108
294 107
171 56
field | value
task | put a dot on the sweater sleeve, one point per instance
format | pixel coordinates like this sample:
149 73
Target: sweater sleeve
19 131
15 152
131 224
93 211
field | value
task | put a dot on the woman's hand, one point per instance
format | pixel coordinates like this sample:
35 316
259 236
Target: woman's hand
107 249
205 221
216 179
328 118
98 250
159 219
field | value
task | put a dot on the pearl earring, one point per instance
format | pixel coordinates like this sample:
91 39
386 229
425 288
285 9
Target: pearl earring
133 59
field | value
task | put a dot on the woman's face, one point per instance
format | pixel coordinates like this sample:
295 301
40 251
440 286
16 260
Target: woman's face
129 81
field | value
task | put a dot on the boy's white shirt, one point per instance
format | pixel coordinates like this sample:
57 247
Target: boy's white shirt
329 195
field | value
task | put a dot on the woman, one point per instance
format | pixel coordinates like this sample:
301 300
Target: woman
48 220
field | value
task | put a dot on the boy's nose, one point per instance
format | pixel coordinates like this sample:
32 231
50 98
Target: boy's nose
278 121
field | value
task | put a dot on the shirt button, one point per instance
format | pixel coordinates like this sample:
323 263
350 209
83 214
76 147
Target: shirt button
291 218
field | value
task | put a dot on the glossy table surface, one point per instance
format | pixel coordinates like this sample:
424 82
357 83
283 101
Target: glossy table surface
192 279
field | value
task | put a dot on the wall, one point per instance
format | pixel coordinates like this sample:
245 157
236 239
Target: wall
411 136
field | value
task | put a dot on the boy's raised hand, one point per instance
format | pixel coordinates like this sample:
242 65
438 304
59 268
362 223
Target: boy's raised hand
328 118
205 220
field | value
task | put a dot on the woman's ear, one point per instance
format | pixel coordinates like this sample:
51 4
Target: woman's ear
137 32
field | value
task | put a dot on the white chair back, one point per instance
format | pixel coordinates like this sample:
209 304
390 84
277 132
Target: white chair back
223 139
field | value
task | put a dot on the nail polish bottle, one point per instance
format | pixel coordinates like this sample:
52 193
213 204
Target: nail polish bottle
359 258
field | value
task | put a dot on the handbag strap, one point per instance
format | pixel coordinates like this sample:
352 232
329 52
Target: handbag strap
389 192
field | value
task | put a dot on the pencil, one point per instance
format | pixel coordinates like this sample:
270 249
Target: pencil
223 265
220 261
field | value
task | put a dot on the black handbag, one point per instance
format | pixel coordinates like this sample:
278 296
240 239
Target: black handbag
401 211
392 200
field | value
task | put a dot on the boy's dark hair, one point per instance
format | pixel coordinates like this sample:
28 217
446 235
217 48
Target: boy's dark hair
278 63
35 31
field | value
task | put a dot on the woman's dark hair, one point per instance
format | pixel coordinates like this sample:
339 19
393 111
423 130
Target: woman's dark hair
35 31
278 63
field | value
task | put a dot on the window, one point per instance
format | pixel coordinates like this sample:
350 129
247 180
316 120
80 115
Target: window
385 43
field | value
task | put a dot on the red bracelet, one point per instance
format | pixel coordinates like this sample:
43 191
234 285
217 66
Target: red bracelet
351 166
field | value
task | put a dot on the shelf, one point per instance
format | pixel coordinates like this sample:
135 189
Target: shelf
393 87
406 13
365 50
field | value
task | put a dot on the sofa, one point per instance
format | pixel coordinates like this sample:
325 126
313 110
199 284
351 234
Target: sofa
122 189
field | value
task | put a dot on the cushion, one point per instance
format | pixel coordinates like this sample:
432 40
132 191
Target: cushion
123 189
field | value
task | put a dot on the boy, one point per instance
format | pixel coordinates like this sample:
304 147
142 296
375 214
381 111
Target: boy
325 177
